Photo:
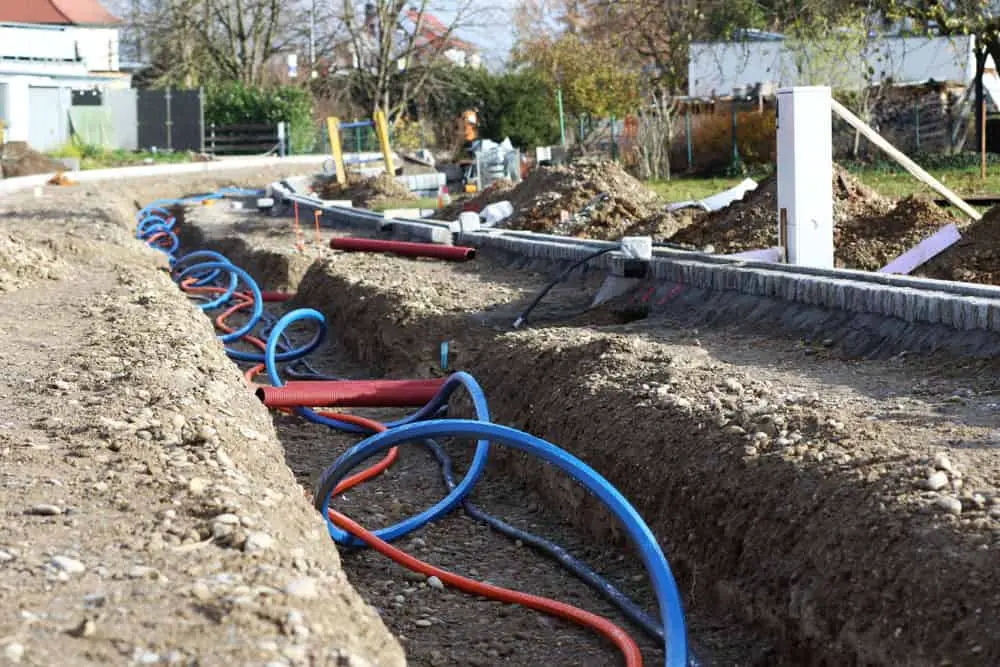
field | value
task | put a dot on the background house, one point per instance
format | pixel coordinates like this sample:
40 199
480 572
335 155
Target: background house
55 54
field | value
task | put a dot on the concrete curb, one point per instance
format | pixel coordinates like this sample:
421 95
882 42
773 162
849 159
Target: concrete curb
10 185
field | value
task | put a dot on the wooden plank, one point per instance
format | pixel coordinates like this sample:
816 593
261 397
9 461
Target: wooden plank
899 157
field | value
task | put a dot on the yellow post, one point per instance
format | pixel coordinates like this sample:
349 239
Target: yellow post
333 128
382 129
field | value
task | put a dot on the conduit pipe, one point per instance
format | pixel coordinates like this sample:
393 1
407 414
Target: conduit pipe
351 393
405 248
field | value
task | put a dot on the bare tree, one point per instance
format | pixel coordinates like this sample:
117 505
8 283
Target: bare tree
400 46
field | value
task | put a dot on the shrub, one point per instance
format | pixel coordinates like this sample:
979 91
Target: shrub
711 140
233 103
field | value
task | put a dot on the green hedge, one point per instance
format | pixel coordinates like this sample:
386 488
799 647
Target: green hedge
234 103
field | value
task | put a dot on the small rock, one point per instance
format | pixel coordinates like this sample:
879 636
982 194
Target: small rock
936 480
977 499
949 504
258 541
223 459
86 628
733 385
143 572
436 583
422 623
302 588
227 519
45 510
941 462
6 556
67 565
750 450
198 485
400 599
14 652
410 575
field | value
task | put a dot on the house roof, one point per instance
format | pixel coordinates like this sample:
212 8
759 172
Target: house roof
57 12
433 31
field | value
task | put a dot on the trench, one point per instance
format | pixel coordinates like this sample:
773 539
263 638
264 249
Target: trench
769 571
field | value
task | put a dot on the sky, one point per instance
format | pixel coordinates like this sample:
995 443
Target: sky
494 39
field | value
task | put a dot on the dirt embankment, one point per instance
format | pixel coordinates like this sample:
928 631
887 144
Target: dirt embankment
851 509
367 192
975 258
150 515
17 158
589 198
869 230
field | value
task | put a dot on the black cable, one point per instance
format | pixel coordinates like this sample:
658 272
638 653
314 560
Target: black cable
578 568
562 276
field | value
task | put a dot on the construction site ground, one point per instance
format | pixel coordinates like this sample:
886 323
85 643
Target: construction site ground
818 508
815 509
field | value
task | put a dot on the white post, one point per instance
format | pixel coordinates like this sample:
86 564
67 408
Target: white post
805 175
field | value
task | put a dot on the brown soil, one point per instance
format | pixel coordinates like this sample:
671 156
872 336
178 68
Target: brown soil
850 510
17 158
976 256
869 242
365 192
549 198
149 515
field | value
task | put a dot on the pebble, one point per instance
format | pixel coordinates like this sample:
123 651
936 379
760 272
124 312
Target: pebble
733 385
143 572
223 459
410 575
423 623
258 541
198 485
302 588
936 480
941 462
14 652
400 599
68 565
45 510
436 583
949 504
6 556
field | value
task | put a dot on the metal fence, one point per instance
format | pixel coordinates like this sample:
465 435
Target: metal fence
245 139
171 119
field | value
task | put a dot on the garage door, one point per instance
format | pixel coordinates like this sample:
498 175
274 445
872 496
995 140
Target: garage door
47 128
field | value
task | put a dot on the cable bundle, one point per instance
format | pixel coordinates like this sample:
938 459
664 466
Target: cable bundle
219 285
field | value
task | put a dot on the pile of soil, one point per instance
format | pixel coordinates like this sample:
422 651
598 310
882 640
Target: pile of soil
17 158
975 258
365 192
21 263
869 242
751 223
496 191
550 198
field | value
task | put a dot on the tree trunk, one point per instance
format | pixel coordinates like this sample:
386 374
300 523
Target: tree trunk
982 51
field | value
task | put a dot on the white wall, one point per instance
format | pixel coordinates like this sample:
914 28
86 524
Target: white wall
719 67
98 47
18 112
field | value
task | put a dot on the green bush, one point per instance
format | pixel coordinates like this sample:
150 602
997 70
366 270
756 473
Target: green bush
234 103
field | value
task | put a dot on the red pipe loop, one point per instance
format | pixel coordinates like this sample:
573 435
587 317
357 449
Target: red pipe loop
276 297
351 393
405 248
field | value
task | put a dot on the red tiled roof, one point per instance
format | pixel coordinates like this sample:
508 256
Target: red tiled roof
432 31
58 12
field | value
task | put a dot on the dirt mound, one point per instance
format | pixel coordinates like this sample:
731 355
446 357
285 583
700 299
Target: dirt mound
870 242
975 258
549 198
21 264
17 158
751 223
497 191
366 192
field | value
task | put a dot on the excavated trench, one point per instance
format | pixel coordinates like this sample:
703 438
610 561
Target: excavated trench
788 488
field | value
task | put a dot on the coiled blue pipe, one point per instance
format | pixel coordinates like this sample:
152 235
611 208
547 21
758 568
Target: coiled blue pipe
664 585
258 301
443 506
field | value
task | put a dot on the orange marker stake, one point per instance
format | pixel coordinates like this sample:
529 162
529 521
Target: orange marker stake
298 230
318 240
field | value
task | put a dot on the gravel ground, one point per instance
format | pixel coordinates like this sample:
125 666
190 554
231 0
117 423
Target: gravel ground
847 510
150 518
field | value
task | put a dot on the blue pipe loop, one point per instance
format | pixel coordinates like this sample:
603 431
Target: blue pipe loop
664 585
455 496
241 275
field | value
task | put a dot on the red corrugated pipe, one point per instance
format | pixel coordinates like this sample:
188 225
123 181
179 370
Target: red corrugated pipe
351 393
453 253
275 297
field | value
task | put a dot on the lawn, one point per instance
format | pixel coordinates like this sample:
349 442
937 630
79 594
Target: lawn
889 182
95 157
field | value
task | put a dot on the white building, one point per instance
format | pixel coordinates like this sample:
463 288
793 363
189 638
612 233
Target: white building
769 60
48 49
